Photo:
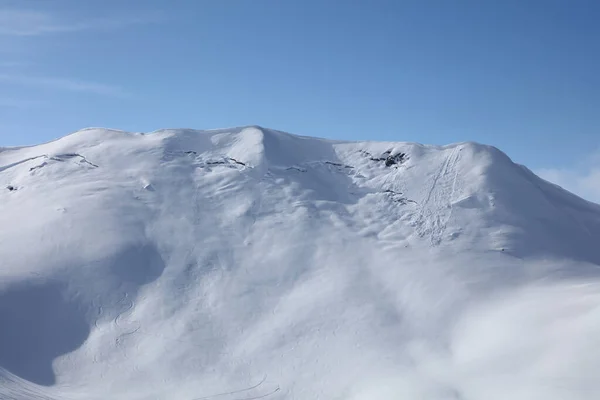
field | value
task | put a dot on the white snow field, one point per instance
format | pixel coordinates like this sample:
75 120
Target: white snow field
248 263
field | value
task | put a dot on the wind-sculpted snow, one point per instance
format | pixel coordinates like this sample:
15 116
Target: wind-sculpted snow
248 263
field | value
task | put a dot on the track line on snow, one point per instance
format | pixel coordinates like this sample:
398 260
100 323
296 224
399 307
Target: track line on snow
234 392
118 317
436 209
453 190
263 396
444 199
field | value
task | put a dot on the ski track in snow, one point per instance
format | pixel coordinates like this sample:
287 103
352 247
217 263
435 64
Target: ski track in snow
240 391
436 209
130 306
310 263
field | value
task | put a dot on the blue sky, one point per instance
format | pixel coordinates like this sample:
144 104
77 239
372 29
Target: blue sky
521 75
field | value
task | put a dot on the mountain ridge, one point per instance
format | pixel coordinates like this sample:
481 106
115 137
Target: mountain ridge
246 263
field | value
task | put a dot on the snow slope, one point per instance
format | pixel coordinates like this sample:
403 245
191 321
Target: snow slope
249 263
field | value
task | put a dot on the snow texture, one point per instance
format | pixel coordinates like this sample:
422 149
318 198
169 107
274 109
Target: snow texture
249 263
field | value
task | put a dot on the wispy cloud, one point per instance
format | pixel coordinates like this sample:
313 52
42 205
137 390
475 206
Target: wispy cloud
65 84
19 103
15 22
582 179
11 64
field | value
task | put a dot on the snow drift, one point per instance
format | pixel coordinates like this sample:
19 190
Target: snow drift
249 263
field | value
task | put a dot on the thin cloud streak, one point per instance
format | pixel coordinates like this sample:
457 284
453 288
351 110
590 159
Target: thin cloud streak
12 64
19 103
64 84
15 22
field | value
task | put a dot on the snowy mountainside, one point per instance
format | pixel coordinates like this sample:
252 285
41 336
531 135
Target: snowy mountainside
249 263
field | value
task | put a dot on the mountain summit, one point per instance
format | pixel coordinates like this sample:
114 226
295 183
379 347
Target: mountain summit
249 263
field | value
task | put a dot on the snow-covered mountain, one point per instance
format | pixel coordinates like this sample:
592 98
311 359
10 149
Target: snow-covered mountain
249 263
